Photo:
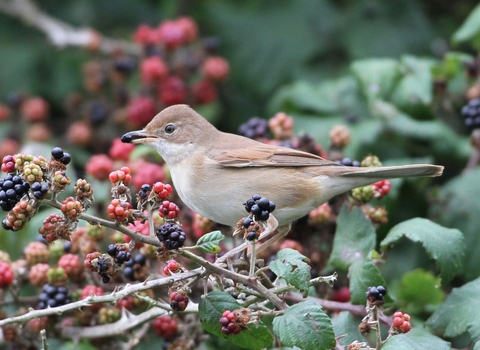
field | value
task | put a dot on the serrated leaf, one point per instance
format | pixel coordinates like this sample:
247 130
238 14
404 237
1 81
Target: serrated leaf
377 76
417 339
470 29
444 245
346 325
305 325
459 313
209 242
211 308
354 238
293 268
364 274
419 289
459 207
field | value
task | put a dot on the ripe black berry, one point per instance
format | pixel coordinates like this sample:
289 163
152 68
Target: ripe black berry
112 250
66 158
171 235
376 293
12 189
251 236
247 222
260 207
348 162
53 296
471 113
57 153
254 128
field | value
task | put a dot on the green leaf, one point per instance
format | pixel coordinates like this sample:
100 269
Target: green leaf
477 346
364 274
444 245
354 238
470 29
293 268
419 289
458 206
417 339
209 242
305 325
413 93
346 325
211 308
459 313
377 76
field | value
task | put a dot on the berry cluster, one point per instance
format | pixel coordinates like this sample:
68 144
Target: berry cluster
38 274
162 190
371 161
53 296
376 294
6 274
260 207
89 290
281 126
401 322
171 235
381 188
339 136
233 322
321 214
71 208
95 262
122 175
12 189
8 164
135 269
119 253
172 266
54 227
39 191
72 265
471 113
36 252
118 210
144 192
254 128
165 327
178 301
168 210
348 162
61 156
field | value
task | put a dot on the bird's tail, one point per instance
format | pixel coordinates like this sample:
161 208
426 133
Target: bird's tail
391 172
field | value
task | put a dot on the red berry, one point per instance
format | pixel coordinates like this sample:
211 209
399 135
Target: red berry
205 92
406 317
163 190
172 91
8 164
140 111
4 112
153 69
79 133
171 34
92 290
189 28
148 173
398 314
36 252
38 274
172 266
6 274
119 211
142 34
342 295
165 327
397 321
406 326
178 301
35 109
168 210
72 265
381 188
119 150
216 68
99 166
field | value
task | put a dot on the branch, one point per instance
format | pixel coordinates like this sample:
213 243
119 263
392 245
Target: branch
62 34
111 298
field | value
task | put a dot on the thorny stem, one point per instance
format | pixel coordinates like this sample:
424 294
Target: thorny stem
253 259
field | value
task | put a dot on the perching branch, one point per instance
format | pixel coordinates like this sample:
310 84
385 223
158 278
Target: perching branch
62 34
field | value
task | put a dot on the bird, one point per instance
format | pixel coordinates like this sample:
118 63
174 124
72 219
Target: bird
215 172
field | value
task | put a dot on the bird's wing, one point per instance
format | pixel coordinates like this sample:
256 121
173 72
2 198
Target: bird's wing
262 155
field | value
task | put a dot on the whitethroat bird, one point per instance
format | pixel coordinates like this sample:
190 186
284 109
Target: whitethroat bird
214 172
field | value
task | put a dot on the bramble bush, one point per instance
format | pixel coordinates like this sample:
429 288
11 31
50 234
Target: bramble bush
98 251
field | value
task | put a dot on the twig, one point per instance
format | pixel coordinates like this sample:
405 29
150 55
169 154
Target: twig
113 297
43 335
62 34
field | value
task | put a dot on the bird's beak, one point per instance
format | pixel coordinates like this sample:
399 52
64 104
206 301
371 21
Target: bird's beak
140 136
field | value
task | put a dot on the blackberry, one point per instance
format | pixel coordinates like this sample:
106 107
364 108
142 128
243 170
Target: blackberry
66 159
112 250
171 235
348 162
39 190
144 191
260 207
251 236
254 128
134 266
247 222
67 246
122 256
57 153
12 189
471 113
128 270
52 296
376 293
124 65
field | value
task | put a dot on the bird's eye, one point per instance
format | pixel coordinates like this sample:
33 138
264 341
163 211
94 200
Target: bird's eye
170 128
